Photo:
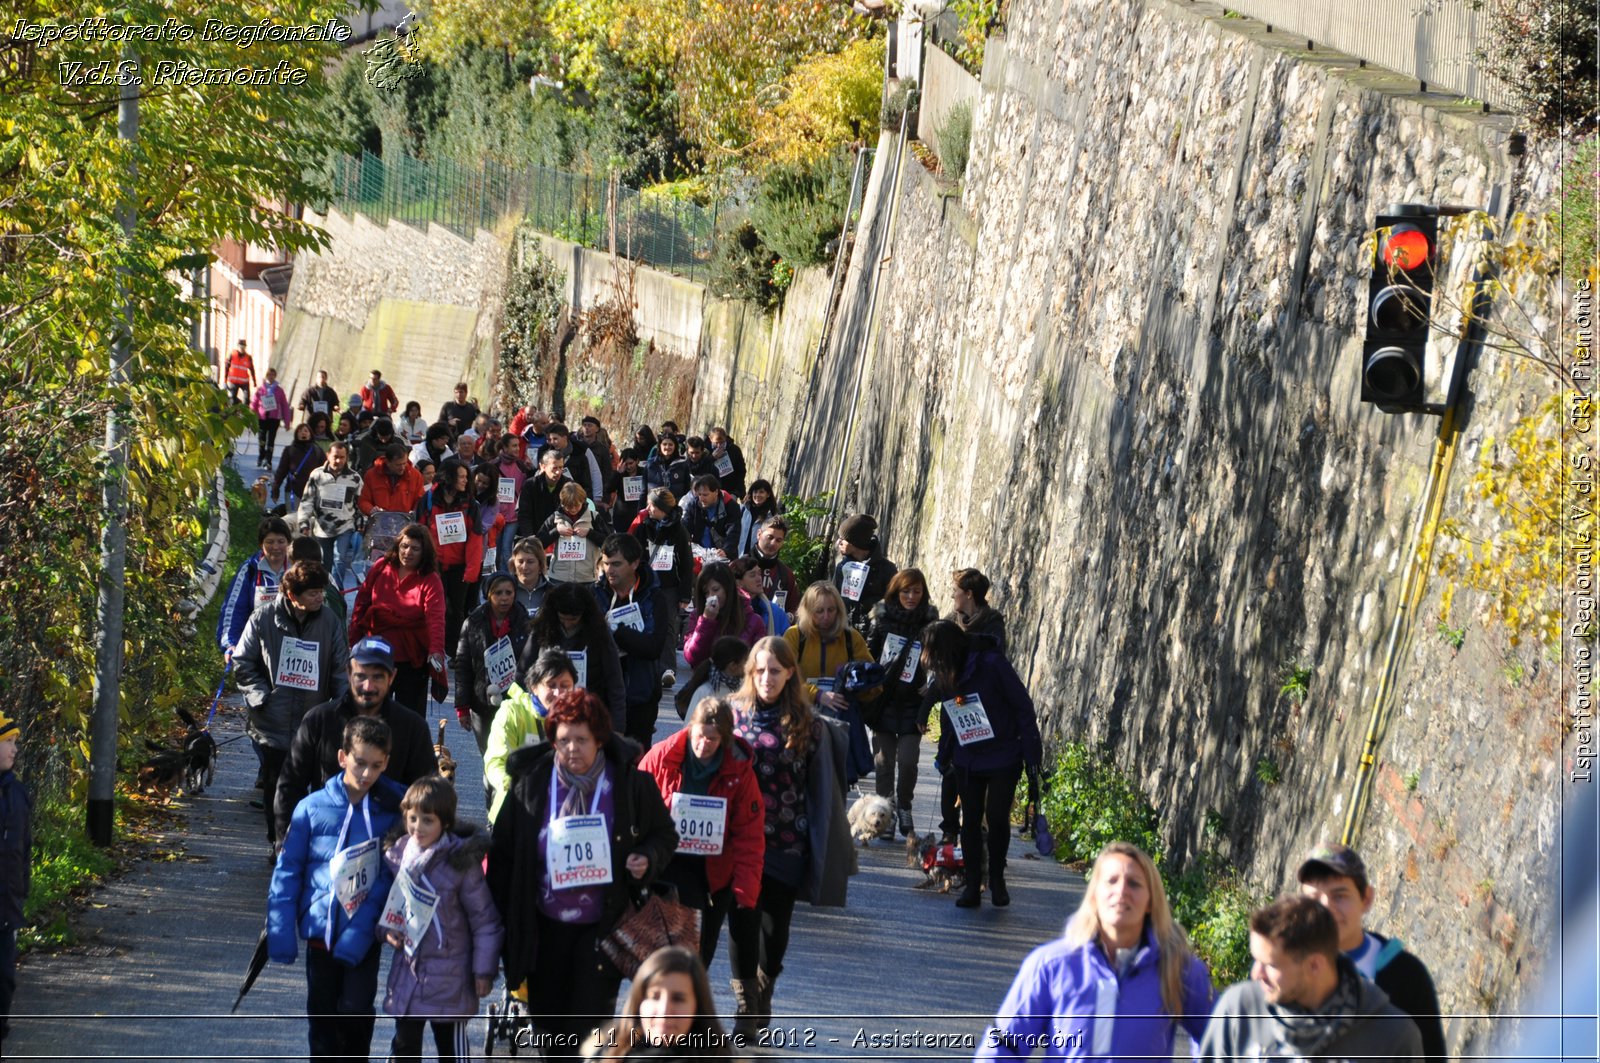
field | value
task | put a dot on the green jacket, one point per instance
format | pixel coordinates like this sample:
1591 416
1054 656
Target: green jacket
517 723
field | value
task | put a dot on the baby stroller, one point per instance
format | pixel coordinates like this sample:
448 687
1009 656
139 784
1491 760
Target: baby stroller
510 1023
383 528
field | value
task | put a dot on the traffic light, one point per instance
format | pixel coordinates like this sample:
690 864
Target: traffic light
1399 299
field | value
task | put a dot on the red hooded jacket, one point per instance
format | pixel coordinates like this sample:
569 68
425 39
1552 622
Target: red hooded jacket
403 607
744 848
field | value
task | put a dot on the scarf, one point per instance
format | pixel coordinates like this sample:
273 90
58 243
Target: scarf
763 562
697 773
580 788
1307 1031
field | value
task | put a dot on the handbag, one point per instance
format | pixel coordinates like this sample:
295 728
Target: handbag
660 920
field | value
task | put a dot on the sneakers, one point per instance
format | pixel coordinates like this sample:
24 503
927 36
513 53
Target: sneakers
669 679
904 817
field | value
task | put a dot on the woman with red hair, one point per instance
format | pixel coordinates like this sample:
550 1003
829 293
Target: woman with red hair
580 830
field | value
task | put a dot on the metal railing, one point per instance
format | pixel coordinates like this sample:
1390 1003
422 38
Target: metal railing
658 230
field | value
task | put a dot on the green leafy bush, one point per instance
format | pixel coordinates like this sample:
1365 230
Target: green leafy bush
802 551
1213 905
799 208
1091 803
955 141
902 98
742 267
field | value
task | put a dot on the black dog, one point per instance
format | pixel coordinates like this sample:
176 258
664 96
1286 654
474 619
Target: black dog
199 755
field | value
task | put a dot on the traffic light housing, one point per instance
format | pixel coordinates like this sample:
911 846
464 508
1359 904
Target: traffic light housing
1399 303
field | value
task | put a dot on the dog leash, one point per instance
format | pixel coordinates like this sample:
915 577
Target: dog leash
217 697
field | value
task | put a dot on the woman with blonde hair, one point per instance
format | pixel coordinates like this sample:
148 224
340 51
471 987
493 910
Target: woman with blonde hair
799 768
1117 985
823 642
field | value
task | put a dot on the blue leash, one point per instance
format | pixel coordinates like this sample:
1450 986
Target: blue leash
217 697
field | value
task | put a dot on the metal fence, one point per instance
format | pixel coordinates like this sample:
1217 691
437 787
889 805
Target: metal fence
658 230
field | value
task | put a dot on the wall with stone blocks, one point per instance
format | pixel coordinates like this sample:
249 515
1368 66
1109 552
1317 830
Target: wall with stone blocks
1120 374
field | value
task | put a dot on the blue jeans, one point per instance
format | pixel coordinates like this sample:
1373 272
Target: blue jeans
508 539
344 548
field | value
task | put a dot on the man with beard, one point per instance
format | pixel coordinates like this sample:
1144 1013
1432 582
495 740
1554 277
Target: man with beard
314 754
777 581
1305 1000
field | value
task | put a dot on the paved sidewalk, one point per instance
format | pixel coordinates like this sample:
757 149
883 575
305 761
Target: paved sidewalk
162 949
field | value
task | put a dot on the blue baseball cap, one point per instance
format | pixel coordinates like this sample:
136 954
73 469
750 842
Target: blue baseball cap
373 650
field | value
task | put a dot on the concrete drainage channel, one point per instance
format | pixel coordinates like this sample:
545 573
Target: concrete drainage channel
208 576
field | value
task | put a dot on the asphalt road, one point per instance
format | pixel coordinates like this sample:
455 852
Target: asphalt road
161 951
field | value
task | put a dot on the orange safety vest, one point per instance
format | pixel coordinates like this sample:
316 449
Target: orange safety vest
240 368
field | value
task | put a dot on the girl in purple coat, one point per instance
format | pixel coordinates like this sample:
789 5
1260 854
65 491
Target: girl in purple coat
721 610
1116 986
445 927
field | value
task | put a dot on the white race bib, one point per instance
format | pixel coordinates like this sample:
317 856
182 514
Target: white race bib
409 911
661 558
490 556
632 488
892 645
577 851
580 662
855 580
572 548
319 407
626 616
500 661
299 664
354 871
781 600
266 592
701 823
969 718
724 466
451 527
507 493
824 686
269 404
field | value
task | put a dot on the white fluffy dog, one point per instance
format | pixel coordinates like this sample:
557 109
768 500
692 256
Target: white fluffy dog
870 816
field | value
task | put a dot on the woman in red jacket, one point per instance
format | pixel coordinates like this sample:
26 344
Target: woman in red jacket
450 514
707 777
402 601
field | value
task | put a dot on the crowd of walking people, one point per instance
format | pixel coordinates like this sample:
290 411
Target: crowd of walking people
549 580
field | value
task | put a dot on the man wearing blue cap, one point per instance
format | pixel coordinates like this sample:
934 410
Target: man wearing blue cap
314 753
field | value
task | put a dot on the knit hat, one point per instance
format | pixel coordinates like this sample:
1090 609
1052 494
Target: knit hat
8 728
859 531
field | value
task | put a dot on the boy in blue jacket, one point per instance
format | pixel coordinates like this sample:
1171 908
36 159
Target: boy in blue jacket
329 887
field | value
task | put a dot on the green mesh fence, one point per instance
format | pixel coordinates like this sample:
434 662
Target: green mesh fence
660 231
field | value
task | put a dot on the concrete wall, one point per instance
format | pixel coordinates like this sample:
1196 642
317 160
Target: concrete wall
422 306
1120 375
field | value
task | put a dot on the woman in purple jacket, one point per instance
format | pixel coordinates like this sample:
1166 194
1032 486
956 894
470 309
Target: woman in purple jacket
447 956
1119 983
988 733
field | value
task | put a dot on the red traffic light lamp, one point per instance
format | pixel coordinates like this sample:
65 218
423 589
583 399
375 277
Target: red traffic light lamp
1399 301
